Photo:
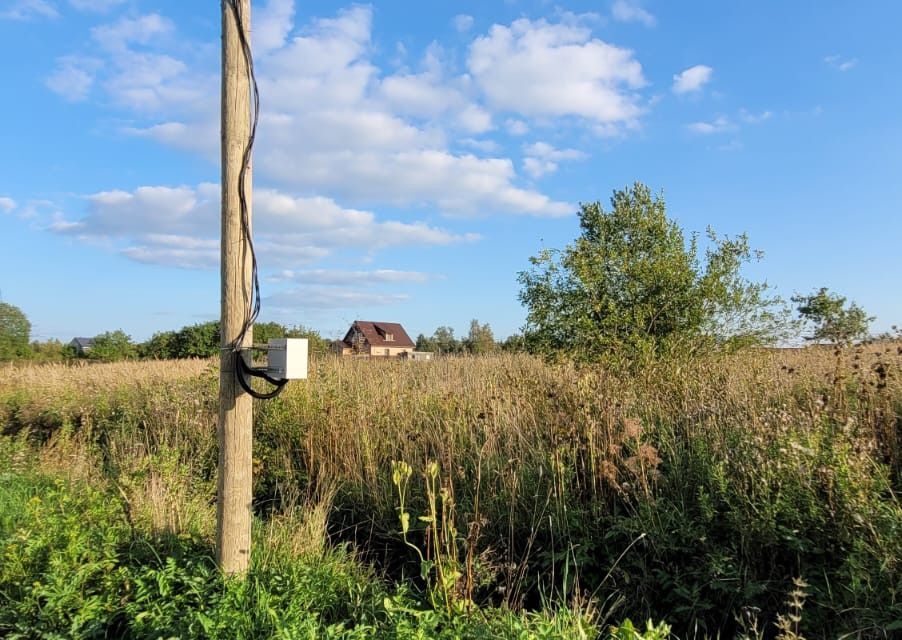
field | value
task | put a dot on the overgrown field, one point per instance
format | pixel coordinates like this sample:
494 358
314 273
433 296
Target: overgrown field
750 495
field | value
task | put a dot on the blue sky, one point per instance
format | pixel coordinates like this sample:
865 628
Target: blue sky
412 156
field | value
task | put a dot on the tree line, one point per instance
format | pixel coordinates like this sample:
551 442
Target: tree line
479 341
200 340
631 284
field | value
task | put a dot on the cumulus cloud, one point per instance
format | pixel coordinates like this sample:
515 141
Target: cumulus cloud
336 124
541 158
692 79
29 9
272 24
179 226
430 95
7 204
754 118
348 277
718 125
141 30
125 61
315 297
631 11
463 22
95 6
202 138
73 77
516 127
480 144
540 69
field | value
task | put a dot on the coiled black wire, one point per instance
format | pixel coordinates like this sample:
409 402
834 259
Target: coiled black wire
253 309
242 368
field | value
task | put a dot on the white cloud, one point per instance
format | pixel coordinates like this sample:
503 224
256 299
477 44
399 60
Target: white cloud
631 11
127 31
179 226
516 127
346 277
484 145
202 138
336 125
539 69
841 63
73 77
139 77
754 118
96 6
271 26
28 9
718 125
692 79
332 298
37 209
7 204
545 150
541 158
134 75
463 22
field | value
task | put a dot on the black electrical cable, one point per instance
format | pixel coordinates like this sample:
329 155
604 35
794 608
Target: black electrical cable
253 310
243 370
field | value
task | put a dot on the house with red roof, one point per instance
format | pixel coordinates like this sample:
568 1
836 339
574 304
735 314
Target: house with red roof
375 339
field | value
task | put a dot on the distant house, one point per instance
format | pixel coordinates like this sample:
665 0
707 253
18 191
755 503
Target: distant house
375 339
82 345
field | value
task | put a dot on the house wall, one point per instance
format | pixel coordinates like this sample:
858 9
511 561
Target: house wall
340 350
379 352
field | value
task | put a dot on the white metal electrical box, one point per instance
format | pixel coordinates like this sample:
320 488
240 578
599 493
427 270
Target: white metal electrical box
287 358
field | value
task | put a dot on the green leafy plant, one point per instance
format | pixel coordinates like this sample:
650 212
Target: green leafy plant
832 320
627 631
440 566
631 282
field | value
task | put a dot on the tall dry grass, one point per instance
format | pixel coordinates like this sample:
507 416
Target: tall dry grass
691 490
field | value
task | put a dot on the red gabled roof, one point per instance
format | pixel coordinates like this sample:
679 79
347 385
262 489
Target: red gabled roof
375 333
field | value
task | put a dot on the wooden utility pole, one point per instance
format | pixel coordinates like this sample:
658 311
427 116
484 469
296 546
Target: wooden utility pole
235 428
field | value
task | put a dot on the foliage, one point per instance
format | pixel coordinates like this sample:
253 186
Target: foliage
196 341
48 351
112 346
515 343
15 330
444 341
316 343
832 320
480 340
627 631
203 340
693 491
631 283
72 566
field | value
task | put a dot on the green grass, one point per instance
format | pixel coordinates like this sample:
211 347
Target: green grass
542 499
72 567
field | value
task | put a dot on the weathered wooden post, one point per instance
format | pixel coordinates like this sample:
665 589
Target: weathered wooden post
235 426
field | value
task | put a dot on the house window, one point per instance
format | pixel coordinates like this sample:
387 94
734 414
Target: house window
389 337
386 352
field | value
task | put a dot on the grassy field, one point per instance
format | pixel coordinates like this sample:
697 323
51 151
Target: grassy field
753 495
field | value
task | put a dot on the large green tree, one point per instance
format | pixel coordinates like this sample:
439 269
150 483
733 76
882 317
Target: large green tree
202 340
15 331
830 318
632 282
480 340
112 346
